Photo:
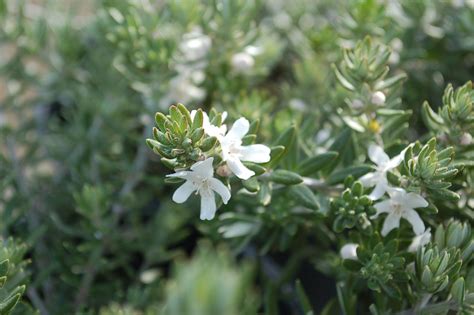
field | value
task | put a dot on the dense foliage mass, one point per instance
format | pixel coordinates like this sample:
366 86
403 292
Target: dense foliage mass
236 157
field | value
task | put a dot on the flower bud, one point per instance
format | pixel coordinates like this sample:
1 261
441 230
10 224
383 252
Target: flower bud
349 251
465 139
224 171
242 62
378 98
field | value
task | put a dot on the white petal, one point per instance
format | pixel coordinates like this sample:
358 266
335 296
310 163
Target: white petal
349 251
220 188
239 129
420 240
397 194
205 122
238 168
257 153
377 155
208 205
391 222
413 200
369 179
382 207
215 131
414 218
204 168
395 161
182 174
379 190
183 192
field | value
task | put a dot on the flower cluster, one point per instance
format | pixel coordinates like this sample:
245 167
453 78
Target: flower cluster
401 204
226 154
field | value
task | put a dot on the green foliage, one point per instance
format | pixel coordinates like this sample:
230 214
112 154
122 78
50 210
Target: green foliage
430 170
12 276
352 208
213 280
381 267
179 139
83 171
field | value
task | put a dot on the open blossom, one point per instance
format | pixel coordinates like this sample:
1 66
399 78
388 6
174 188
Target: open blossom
201 180
379 177
420 240
349 251
242 62
233 152
195 45
183 89
210 129
401 205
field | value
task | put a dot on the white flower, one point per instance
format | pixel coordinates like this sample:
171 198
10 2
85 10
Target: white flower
349 251
195 45
242 62
233 152
420 240
379 177
378 98
210 129
401 205
182 89
201 180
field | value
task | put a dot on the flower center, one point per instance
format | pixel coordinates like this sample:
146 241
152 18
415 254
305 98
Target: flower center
233 148
201 184
397 208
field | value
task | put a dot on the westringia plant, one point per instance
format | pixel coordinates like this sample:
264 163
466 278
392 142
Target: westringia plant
383 215
236 157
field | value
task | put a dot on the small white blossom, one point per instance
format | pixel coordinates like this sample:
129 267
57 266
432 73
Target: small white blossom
201 180
401 205
210 129
378 98
182 89
242 62
195 45
233 152
379 177
349 251
420 240
397 46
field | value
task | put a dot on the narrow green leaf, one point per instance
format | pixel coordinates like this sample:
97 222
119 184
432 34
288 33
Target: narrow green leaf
198 119
355 171
160 120
208 144
458 291
303 298
316 163
285 177
251 184
304 196
342 80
